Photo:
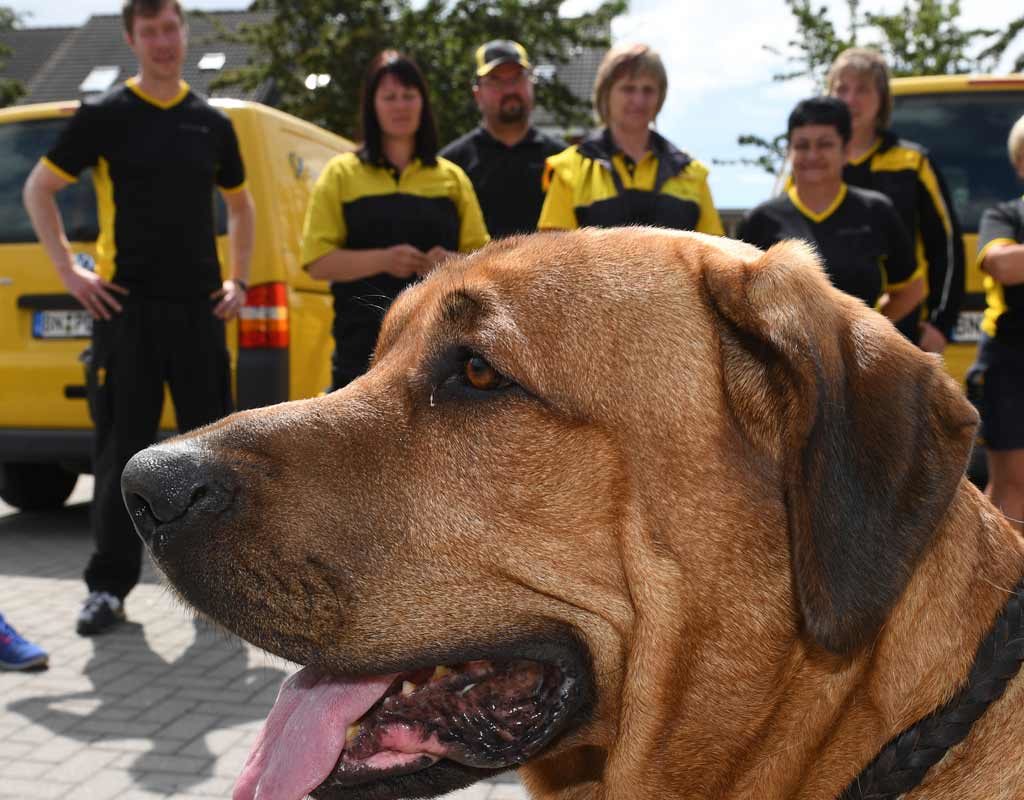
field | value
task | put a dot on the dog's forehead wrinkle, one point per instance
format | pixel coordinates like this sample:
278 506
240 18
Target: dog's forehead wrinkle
460 305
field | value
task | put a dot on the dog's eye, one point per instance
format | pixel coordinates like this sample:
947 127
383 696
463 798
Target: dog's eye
481 375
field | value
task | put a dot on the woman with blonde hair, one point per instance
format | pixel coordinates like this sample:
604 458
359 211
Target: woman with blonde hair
902 171
997 378
627 173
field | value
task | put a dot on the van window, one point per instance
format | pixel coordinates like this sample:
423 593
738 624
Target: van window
22 144
973 162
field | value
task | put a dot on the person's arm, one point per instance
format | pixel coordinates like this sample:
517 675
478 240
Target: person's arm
473 232
342 264
472 229
755 229
241 234
1003 259
709 221
558 212
944 252
96 295
999 244
900 300
904 285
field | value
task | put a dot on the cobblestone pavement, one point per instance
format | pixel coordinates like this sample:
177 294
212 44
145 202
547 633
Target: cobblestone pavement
163 707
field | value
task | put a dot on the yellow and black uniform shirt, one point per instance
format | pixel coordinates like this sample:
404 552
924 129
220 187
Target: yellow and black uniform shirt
358 205
859 237
1004 313
595 184
507 180
154 167
902 172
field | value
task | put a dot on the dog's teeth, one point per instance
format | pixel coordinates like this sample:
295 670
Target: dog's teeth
351 733
408 687
440 672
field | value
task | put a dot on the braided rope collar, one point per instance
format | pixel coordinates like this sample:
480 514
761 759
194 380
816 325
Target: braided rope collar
904 761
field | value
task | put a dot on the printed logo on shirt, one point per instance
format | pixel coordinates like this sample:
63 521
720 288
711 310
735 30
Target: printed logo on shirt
191 126
860 230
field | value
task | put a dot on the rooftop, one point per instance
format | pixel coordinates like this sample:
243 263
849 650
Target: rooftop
54 62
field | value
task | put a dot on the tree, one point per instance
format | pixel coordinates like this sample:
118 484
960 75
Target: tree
10 90
338 38
817 43
923 38
995 52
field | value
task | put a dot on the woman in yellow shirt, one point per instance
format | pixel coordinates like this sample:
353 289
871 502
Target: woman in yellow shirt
627 173
382 217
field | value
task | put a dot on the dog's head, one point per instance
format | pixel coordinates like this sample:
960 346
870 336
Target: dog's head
581 465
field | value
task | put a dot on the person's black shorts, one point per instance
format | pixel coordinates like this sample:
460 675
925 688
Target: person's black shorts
996 385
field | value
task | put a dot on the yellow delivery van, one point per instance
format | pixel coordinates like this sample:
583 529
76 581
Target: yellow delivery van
280 345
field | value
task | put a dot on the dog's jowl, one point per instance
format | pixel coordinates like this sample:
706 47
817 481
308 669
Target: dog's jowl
641 514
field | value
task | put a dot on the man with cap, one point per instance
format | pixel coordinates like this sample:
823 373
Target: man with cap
504 157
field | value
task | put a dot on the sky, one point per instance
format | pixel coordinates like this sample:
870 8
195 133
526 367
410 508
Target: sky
719 73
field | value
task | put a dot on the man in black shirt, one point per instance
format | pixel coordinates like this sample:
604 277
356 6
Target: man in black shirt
504 157
157 150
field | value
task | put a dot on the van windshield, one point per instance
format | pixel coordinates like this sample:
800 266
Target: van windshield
965 134
21 146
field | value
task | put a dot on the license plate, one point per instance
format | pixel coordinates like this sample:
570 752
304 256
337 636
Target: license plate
61 325
968 327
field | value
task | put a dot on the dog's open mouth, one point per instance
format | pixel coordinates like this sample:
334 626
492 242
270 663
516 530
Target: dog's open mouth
325 734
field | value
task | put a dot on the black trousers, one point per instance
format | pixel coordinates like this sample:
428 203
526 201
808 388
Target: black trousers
150 343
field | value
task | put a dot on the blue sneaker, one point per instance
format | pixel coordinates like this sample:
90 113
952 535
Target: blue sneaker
16 653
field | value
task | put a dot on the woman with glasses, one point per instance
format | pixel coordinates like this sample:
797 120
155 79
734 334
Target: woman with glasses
627 173
382 217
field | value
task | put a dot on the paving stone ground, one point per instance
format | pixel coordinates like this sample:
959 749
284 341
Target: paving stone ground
163 707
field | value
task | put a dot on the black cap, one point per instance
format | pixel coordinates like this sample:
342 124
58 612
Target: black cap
498 52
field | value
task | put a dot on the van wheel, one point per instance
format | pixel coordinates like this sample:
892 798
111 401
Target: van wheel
35 487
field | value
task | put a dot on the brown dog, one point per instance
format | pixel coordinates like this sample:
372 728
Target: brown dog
674 517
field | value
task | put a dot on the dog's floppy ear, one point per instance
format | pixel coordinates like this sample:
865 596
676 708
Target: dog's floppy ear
871 435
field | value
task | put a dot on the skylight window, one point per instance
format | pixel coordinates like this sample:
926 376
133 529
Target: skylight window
210 62
99 79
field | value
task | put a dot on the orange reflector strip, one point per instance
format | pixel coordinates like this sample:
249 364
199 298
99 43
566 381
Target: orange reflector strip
986 81
263 320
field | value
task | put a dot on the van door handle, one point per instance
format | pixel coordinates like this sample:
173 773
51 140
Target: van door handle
49 302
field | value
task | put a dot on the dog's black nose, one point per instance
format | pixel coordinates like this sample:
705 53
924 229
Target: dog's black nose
170 488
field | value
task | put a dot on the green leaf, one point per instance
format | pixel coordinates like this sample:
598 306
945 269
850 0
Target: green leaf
340 37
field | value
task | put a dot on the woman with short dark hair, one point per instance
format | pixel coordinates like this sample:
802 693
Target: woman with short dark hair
382 217
627 173
857 233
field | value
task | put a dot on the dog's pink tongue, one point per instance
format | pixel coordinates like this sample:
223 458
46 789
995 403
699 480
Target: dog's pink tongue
304 734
